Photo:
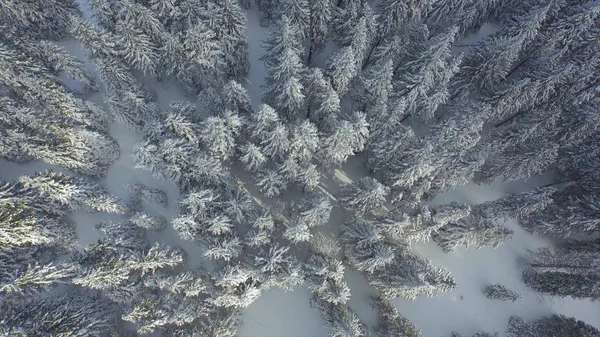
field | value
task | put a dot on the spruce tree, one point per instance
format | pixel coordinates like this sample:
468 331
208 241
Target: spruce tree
284 89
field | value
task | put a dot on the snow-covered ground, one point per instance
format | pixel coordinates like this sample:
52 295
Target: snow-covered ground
277 313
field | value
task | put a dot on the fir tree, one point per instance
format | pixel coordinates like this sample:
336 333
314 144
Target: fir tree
364 246
500 292
348 138
252 157
340 319
271 183
365 196
236 98
320 17
284 89
390 322
469 233
425 278
552 326
341 67
305 141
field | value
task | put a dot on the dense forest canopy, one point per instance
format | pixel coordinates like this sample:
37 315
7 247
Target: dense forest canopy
398 90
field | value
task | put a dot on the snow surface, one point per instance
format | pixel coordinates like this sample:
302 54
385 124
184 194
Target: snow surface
277 313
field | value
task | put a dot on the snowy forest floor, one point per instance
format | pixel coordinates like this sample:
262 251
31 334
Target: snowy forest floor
277 313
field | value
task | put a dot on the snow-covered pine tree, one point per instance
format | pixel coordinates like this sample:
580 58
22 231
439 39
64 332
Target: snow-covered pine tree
146 221
469 232
315 210
520 206
252 157
75 194
500 292
297 231
554 325
298 12
567 271
375 90
425 278
97 41
283 88
341 320
364 246
39 19
573 211
271 183
390 322
280 268
324 273
105 12
320 16
341 68
275 142
402 227
304 141
365 196
236 98
207 63
348 138
219 133
227 19
33 133
269 11
423 79
138 50
323 102
76 313
54 57
494 57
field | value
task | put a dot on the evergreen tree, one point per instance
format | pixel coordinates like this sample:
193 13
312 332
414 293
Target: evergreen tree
322 100
364 246
423 79
252 157
271 183
105 12
315 211
341 68
284 89
467 232
568 271
305 141
236 98
409 276
320 16
365 196
297 232
39 19
219 134
269 10
348 138
571 212
299 14
76 194
500 292
138 49
390 322
551 326
276 142
76 314
577 286
228 21
340 319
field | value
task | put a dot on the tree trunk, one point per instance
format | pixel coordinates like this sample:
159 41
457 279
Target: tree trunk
310 52
516 67
497 125
375 45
